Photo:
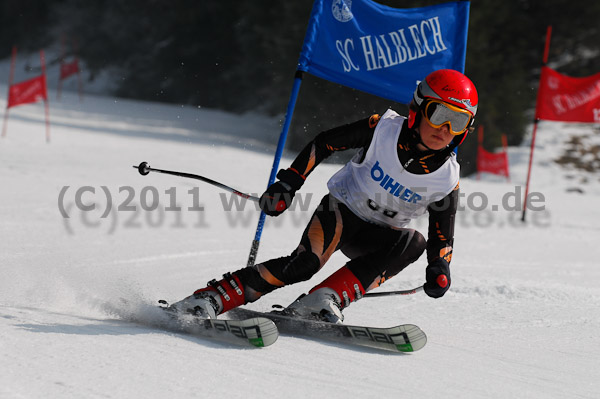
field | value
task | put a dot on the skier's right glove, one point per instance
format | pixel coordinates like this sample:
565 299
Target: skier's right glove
437 275
280 194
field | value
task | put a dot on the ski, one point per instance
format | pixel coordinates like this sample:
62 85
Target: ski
400 338
253 331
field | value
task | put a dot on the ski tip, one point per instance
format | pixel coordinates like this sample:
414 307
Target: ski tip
415 338
266 333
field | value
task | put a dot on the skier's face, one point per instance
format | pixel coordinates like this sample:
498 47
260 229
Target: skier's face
434 138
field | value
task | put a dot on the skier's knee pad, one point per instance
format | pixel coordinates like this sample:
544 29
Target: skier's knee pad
409 248
301 268
416 246
386 263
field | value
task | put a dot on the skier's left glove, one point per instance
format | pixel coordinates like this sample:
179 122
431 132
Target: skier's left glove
437 275
280 194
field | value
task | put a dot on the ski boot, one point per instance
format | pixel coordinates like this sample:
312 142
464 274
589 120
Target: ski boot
326 301
202 304
218 297
322 304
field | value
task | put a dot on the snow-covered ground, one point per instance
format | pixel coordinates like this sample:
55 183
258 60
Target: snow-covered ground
521 319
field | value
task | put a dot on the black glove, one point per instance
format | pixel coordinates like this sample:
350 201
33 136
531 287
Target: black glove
437 275
280 194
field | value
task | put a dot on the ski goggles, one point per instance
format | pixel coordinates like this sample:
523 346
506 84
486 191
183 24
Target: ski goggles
438 114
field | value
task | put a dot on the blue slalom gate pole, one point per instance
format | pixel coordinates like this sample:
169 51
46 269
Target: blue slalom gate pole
275 167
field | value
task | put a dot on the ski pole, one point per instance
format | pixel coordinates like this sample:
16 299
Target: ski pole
402 292
144 169
442 281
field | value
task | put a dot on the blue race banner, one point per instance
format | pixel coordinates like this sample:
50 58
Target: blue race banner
382 50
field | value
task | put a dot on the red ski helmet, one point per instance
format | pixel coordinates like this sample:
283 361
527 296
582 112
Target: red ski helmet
450 87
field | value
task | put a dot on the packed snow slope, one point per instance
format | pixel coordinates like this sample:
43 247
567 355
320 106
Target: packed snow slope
520 321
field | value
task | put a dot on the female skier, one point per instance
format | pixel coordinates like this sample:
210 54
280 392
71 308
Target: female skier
404 168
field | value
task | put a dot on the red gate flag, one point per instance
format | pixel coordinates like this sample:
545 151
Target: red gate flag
496 163
68 69
29 91
567 99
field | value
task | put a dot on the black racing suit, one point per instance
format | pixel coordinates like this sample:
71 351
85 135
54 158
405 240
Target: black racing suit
376 253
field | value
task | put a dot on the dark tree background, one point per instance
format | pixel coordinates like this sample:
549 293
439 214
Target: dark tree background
241 56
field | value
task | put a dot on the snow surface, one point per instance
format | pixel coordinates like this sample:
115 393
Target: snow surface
521 319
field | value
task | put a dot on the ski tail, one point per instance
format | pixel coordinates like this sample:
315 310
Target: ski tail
253 331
